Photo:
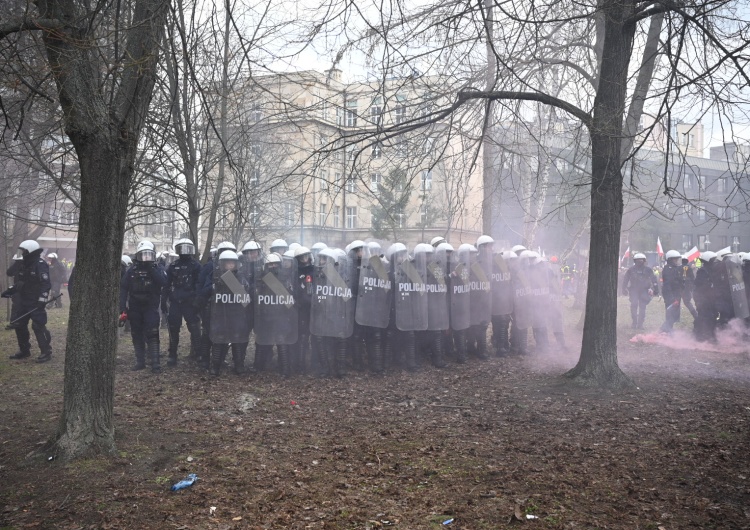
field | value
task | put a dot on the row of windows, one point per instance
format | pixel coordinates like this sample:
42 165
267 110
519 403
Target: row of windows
376 181
713 242
698 182
701 213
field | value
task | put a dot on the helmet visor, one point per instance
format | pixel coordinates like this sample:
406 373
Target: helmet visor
146 255
185 249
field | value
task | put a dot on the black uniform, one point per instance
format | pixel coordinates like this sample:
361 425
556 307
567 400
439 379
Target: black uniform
58 275
181 289
673 284
704 326
640 285
32 284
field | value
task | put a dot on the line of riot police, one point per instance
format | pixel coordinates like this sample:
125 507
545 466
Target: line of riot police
322 310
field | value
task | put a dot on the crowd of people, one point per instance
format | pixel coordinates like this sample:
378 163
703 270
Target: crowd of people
323 310
717 284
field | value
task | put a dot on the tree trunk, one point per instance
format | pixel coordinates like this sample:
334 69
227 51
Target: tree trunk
598 362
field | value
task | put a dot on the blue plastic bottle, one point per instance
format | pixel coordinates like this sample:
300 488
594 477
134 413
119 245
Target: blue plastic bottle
189 481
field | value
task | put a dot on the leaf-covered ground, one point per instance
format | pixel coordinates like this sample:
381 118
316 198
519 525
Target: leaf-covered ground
490 444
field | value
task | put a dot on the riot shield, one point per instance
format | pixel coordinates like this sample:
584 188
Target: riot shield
554 308
437 295
481 296
460 293
275 307
375 292
737 287
522 303
502 288
332 304
410 295
231 304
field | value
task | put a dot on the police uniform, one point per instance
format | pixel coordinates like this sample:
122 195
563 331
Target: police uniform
181 289
140 291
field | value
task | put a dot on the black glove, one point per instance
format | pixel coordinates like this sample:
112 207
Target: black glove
199 302
41 305
9 292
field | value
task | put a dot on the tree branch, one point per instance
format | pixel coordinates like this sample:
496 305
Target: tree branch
19 25
585 117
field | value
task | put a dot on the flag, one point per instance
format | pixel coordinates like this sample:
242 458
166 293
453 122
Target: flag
692 254
659 250
627 254
726 249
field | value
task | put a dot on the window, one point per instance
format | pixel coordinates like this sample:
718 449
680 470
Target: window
351 217
375 180
336 216
324 109
688 181
323 180
255 215
703 242
722 184
428 145
401 216
722 241
736 244
351 184
339 116
687 210
734 215
337 180
256 111
351 152
400 114
377 150
288 214
722 212
255 149
322 214
687 241
702 182
401 147
701 214
254 178
322 140
426 180
376 111
351 113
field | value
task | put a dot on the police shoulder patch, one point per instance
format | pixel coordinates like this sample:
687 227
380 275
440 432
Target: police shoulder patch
45 276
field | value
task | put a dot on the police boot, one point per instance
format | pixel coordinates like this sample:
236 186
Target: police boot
19 355
260 362
285 362
139 346
410 351
389 361
174 341
460 338
481 338
238 357
44 339
318 361
437 350
204 352
360 352
375 352
541 339
523 341
303 347
340 364
153 350
218 353
502 346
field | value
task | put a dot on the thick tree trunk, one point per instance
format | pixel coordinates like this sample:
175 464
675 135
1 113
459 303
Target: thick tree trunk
598 362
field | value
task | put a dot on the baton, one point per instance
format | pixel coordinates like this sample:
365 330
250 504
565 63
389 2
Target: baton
35 309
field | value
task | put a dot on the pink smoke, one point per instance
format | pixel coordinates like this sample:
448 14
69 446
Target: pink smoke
732 339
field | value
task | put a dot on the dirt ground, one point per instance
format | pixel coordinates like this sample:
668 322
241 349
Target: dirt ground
484 445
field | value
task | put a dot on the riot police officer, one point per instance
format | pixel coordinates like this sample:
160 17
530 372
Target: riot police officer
640 285
673 284
32 283
705 304
303 297
140 291
181 288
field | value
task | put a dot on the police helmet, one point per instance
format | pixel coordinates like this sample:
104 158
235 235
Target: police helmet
395 248
145 252
300 251
707 256
184 247
357 243
224 246
375 248
673 254
424 248
327 253
723 253
228 260
318 246
508 255
437 240
639 255
273 258
213 251
445 247
294 246
518 249
52 255
484 240
279 244
125 260
29 245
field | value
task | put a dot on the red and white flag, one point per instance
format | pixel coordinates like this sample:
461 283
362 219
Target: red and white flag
692 254
627 254
659 250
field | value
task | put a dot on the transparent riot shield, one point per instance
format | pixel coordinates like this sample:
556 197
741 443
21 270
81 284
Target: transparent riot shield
460 292
410 294
738 288
481 295
502 287
231 304
522 302
375 292
438 318
332 304
275 307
